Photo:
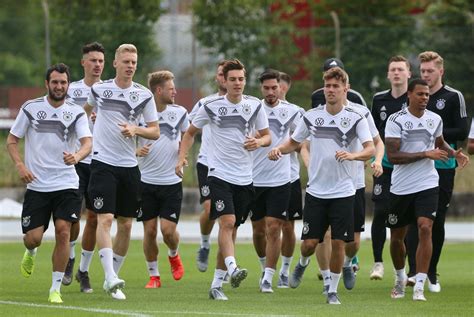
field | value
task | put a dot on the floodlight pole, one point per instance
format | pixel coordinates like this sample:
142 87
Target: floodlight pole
44 3
337 29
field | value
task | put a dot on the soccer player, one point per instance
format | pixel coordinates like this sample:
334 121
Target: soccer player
271 179
51 126
161 189
414 139
205 222
470 142
450 105
295 208
318 97
384 104
334 131
233 119
115 177
93 63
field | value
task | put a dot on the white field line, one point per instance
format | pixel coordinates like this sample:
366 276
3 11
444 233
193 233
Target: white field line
134 313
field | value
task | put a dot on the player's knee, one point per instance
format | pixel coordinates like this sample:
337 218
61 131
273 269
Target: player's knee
32 241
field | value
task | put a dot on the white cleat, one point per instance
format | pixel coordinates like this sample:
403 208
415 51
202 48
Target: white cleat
418 295
113 287
434 288
377 271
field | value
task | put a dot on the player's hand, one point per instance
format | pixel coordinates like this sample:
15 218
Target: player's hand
128 130
143 151
251 143
342 156
179 170
25 174
93 116
377 169
437 154
275 154
461 158
70 159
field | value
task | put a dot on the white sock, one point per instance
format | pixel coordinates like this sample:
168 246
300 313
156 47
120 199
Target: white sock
335 277
326 276
268 274
206 241
231 264
56 281
86 259
304 260
401 275
285 265
420 280
106 258
32 252
262 261
153 268
172 253
72 249
218 278
118 262
347 261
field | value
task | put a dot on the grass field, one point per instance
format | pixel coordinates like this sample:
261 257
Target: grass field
189 297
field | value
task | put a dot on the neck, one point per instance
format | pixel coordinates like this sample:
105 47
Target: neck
123 82
272 105
397 91
54 103
160 107
436 87
235 99
221 92
415 112
91 80
334 108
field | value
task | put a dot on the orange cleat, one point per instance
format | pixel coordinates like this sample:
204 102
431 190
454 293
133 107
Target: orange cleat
177 268
154 282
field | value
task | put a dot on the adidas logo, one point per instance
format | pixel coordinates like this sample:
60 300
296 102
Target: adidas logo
74 216
54 116
345 234
235 111
283 213
332 122
420 125
161 118
121 96
333 63
272 114
433 213
297 214
383 108
173 215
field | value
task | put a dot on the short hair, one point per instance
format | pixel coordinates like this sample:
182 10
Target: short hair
60 68
429 56
221 63
399 58
269 74
159 78
336 73
285 77
93 47
417 81
233 64
126 48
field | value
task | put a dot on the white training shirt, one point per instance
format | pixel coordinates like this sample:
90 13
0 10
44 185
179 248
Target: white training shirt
229 125
267 173
78 92
49 132
294 160
471 133
360 177
116 106
329 133
205 135
158 167
416 135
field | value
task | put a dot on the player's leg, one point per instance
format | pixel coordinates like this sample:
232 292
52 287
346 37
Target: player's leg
205 222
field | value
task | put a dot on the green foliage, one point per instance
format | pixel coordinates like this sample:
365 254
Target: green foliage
74 23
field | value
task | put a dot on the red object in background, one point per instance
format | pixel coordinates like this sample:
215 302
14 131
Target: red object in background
13 98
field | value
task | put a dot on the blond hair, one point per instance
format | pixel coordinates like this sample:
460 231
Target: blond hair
159 78
125 48
430 56
336 73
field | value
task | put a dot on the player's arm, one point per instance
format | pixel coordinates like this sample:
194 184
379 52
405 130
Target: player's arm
261 139
12 148
460 128
367 152
88 109
460 157
304 152
470 146
186 143
288 146
83 152
395 156
379 152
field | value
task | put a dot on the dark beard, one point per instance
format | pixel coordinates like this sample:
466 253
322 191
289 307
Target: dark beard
53 97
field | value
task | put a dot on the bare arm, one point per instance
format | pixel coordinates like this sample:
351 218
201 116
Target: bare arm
379 152
395 156
261 139
84 150
460 157
470 146
186 143
304 152
289 146
88 109
151 131
12 147
367 152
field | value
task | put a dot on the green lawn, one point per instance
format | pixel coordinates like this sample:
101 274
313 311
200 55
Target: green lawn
189 297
